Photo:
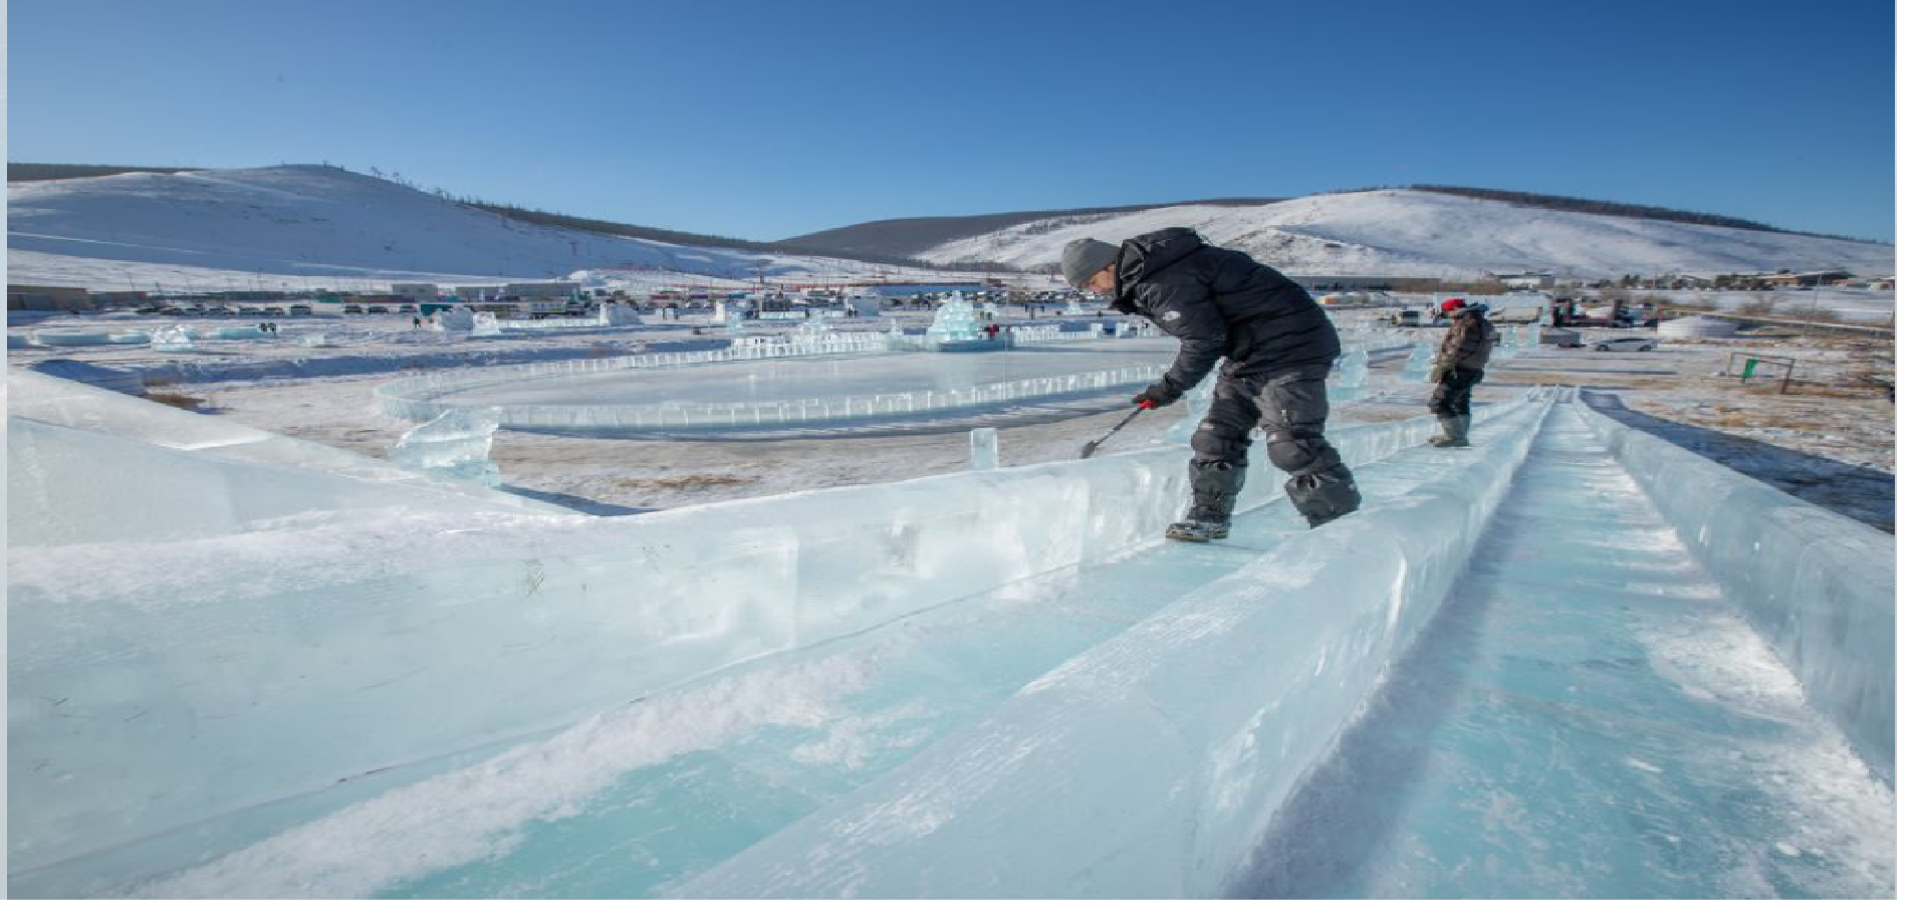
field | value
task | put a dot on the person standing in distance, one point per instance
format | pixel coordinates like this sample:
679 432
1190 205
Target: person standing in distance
1278 346
1460 364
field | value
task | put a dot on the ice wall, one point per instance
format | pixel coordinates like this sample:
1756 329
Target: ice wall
1150 765
275 662
151 427
1818 586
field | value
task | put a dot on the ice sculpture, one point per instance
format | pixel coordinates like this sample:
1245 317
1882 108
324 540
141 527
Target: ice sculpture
618 314
722 313
454 318
1533 335
813 330
316 339
173 339
1074 308
956 322
985 443
485 324
455 445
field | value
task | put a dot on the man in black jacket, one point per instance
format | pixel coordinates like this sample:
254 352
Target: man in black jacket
1278 346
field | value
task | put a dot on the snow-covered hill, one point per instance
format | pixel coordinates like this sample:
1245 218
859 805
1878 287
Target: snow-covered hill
222 228
292 226
1402 232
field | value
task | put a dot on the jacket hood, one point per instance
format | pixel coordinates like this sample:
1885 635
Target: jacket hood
1142 256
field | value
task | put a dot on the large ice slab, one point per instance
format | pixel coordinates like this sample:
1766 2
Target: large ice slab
268 663
1818 586
1150 765
454 445
152 426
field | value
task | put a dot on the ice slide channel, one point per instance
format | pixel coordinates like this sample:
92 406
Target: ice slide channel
1137 767
161 720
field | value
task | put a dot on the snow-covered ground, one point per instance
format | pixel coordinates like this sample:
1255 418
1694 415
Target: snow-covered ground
1393 232
1830 441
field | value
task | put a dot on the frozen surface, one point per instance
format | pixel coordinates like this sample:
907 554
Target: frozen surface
804 378
933 688
686 778
1818 587
532 624
1590 717
61 489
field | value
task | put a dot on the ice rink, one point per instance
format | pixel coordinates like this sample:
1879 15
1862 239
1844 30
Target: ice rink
809 378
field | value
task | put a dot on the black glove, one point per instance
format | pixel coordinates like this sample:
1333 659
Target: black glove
1155 397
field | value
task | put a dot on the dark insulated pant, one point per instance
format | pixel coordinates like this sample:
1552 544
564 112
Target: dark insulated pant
1453 396
1291 407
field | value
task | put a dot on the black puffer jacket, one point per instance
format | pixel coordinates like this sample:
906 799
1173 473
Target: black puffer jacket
1220 302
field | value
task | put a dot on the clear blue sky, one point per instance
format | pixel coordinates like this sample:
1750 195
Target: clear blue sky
770 120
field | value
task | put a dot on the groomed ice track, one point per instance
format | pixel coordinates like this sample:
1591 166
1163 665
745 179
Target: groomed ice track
1571 661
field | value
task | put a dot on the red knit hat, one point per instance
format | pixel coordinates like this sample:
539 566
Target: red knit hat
1452 304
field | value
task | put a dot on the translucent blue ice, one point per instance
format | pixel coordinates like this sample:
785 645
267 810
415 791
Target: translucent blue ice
1523 669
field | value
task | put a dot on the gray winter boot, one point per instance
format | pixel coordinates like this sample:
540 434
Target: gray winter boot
1216 486
1453 432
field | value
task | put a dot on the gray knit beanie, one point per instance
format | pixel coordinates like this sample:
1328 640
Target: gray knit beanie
1084 258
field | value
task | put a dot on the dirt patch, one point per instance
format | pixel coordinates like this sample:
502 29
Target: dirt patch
178 401
682 482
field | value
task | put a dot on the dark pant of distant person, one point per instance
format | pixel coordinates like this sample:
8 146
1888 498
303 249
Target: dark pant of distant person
1453 396
1291 407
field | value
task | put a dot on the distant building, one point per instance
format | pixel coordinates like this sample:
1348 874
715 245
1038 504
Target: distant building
542 290
1333 284
1805 279
107 299
518 290
47 297
1527 281
478 291
416 291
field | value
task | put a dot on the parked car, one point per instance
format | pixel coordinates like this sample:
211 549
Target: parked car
151 310
220 311
1630 343
172 311
352 309
376 310
249 310
300 309
272 311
